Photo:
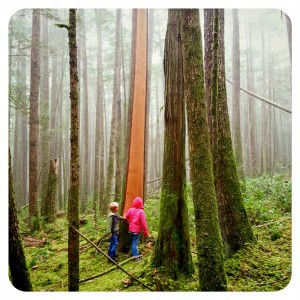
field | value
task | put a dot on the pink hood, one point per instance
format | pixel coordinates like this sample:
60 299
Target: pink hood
138 203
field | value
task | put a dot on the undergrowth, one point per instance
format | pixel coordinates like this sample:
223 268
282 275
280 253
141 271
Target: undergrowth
263 266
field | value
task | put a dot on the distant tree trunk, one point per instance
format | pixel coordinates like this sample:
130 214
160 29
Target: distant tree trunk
19 273
172 248
157 136
251 107
50 201
264 109
63 140
269 121
235 227
116 99
24 139
73 203
34 121
149 72
17 157
119 154
44 112
54 105
99 130
237 139
85 117
212 276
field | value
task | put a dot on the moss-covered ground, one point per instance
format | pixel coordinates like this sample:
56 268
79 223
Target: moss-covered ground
264 266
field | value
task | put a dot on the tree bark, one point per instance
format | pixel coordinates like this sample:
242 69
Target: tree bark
212 276
172 249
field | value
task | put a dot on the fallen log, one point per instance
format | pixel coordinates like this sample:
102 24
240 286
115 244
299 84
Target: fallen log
31 242
109 270
110 258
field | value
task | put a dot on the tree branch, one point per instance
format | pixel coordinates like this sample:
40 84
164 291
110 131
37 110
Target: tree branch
110 258
62 26
263 99
108 270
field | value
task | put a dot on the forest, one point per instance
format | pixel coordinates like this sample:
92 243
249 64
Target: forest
188 110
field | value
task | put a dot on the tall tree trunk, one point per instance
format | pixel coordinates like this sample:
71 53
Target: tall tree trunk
149 72
44 112
119 154
73 203
264 108
124 242
157 136
212 276
17 157
24 141
54 106
237 139
235 227
251 107
116 100
172 248
85 117
34 121
136 156
19 273
99 130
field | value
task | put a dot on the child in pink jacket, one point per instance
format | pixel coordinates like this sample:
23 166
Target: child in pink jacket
137 222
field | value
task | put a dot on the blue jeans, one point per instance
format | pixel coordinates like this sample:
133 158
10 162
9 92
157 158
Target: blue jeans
112 249
135 237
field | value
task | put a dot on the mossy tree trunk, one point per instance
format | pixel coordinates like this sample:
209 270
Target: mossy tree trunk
19 273
211 271
50 199
233 220
73 203
172 248
34 121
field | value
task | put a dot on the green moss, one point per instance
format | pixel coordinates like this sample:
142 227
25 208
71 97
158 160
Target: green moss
264 266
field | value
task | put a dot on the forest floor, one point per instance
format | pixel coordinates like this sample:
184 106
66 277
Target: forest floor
263 266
